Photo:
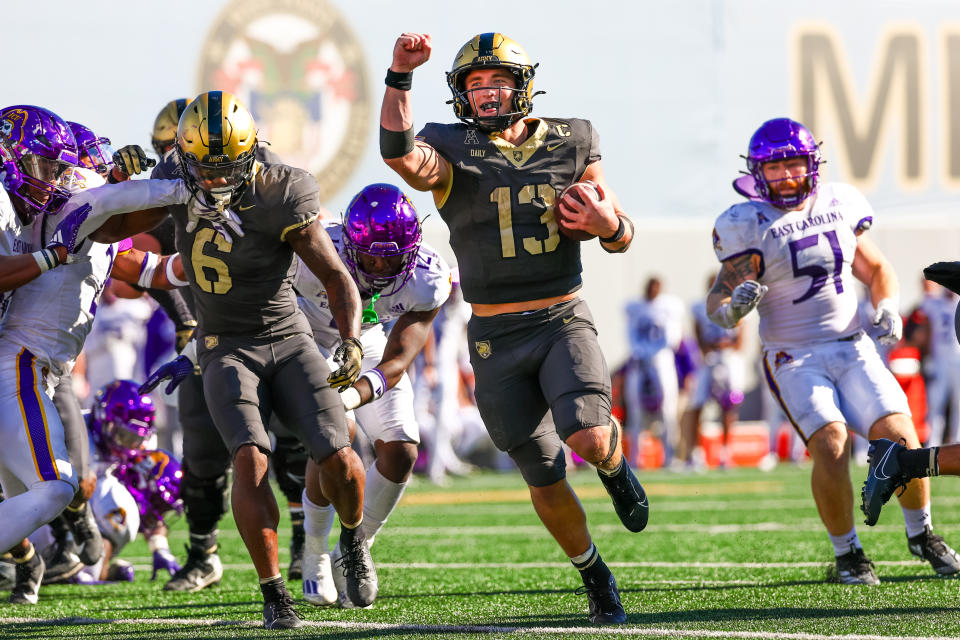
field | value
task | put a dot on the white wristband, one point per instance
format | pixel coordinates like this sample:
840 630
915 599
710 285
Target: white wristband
46 259
190 351
171 276
350 398
147 268
378 382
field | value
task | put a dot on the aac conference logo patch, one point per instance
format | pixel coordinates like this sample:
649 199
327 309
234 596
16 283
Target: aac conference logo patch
299 69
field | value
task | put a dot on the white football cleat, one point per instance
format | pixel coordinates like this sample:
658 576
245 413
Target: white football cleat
318 586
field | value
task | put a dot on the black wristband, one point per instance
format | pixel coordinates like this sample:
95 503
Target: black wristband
395 144
621 229
400 81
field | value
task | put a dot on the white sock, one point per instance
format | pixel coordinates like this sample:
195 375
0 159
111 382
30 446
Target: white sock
317 523
845 543
917 520
23 514
380 498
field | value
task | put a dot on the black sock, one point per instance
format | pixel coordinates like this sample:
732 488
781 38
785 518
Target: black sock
273 589
919 463
296 524
206 542
593 569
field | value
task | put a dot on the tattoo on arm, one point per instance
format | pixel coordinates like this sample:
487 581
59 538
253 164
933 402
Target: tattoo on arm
732 272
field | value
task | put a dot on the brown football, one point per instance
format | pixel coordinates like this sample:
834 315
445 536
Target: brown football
564 214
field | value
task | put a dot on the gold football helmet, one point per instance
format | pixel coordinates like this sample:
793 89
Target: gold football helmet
491 50
165 126
216 145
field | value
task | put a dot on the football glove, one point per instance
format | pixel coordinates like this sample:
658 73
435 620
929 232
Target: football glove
745 297
67 233
163 560
349 355
888 322
175 371
184 335
132 160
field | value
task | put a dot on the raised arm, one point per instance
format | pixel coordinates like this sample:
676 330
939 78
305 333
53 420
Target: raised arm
418 163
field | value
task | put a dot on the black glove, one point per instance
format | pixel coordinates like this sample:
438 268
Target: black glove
132 160
349 355
944 273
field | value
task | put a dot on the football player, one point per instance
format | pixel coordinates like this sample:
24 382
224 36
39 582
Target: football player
495 178
793 253
403 282
45 320
241 231
205 457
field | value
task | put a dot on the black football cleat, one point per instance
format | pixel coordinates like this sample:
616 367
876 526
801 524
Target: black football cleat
604 599
61 561
932 548
201 570
853 567
280 614
884 477
295 571
86 533
29 576
356 564
629 498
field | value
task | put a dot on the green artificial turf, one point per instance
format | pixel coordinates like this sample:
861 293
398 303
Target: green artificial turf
729 553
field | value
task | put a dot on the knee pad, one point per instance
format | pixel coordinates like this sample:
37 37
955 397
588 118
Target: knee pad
289 462
204 500
541 461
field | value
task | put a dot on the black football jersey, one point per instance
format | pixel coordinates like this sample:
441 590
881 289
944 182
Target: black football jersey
500 207
244 287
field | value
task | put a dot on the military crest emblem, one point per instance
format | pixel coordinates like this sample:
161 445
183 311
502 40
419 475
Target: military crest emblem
300 70
484 350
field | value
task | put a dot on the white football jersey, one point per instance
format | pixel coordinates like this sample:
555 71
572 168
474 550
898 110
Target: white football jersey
428 288
654 325
805 260
52 315
940 311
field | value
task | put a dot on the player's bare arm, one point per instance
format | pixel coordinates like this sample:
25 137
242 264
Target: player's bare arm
736 291
872 269
313 245
136 265
16 271
129 224
419 165
602 217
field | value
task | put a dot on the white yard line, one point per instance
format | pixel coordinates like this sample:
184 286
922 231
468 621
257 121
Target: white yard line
648 632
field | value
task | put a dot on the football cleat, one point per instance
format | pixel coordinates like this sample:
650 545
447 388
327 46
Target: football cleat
120 570
604 599
356 566
201 570
280 614
29 575
853 568
884 477
61 562
8 574
629 498
86 533
318 576
295 572
932 548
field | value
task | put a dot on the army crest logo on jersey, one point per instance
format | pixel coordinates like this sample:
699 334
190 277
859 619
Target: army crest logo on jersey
484 350
300 70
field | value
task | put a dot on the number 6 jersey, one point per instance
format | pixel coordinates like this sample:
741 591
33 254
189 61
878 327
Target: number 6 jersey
499 207
805 260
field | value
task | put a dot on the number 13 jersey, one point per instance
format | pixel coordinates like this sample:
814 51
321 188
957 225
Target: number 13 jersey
500 207
805 260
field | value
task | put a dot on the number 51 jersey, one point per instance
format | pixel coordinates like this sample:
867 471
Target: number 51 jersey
500 207
805 260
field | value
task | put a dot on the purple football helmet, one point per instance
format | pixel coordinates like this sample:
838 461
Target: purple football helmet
121 420
95 153
36 147
381 223
153 479
779 139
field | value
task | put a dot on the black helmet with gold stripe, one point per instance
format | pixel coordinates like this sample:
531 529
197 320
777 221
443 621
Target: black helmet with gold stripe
165 126
485 51
216 145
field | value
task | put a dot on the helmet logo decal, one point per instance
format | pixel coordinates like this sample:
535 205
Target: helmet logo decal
300 70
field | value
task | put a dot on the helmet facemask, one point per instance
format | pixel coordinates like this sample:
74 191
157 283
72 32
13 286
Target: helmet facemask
217 183
122 419
520 102
777 140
